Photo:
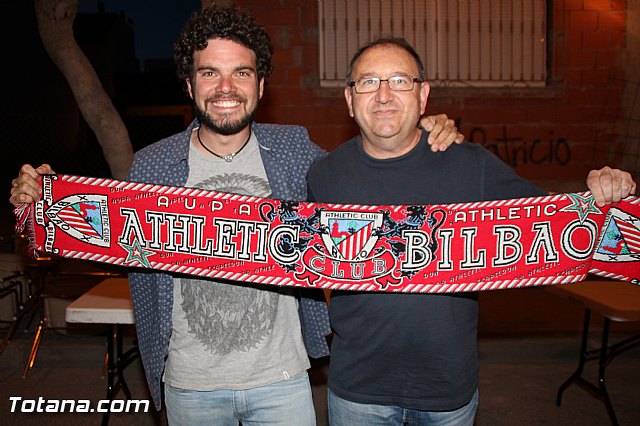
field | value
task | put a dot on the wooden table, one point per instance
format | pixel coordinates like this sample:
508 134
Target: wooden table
616 301
109 302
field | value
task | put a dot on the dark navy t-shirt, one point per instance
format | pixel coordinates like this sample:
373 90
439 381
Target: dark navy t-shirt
408 350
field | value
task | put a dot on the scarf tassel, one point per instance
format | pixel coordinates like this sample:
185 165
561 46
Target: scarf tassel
24 224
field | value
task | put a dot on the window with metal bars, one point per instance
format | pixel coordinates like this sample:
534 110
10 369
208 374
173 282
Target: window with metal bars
475 43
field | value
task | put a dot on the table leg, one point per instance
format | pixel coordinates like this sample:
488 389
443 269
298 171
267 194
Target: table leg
583 357
114 351
120 365
24 307
599 391
602 365
113 336
14 288
34 347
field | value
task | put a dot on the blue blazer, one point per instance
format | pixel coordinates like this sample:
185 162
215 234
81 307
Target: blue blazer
287 152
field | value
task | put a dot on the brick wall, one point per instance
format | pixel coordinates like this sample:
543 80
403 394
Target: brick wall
553 135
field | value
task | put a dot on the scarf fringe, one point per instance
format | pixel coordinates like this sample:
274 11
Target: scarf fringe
24 223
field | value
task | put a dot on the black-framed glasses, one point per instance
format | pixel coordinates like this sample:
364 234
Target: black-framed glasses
398 83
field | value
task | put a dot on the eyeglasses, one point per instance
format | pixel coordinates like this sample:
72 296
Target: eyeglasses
397 83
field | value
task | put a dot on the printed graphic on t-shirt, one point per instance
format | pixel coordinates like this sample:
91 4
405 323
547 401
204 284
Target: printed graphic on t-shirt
229 318
237 183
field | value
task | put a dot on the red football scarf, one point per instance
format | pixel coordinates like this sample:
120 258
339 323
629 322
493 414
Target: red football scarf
415 248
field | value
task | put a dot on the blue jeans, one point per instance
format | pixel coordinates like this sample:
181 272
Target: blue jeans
347 413
284 403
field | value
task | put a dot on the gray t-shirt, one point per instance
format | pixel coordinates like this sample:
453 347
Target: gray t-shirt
232 336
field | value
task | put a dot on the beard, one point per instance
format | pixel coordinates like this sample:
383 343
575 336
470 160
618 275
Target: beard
225 126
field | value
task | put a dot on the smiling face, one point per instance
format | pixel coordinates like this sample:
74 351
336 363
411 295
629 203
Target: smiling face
225 87
388 119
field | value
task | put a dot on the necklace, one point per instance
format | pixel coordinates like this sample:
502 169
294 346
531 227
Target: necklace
229 157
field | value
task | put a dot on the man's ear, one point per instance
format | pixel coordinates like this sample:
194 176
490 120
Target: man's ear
424 95
260 88
348 97
188 82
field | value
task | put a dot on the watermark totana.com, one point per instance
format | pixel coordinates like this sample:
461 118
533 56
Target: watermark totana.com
42 405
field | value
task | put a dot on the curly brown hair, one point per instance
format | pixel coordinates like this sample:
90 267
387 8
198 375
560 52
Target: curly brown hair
226 23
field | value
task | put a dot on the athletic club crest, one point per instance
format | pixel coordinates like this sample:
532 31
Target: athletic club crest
357 246
620 238
349 251
85 217
351 235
